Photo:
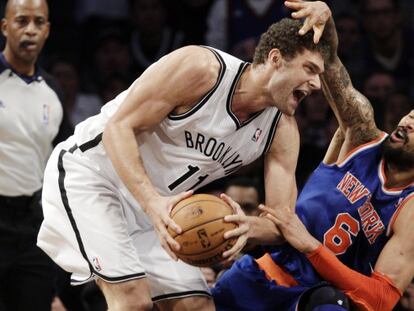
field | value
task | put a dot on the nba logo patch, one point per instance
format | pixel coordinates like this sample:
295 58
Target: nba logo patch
45 114
257 134
96 264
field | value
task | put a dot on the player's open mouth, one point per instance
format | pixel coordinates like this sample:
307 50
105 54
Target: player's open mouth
299 95
400 135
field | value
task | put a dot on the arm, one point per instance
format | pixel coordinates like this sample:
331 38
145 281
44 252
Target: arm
280 182
393 271
352 109
335 146
280 165
396 259
162 88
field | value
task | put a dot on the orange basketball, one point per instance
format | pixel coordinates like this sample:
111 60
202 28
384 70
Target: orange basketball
201 220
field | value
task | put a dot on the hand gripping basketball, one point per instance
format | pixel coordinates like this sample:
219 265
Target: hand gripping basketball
202 240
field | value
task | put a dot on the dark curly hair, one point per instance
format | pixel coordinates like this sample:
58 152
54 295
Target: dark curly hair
284 36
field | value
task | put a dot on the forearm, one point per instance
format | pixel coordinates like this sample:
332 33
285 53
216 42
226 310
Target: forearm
121 146
376 292
352 109
331 36
263 231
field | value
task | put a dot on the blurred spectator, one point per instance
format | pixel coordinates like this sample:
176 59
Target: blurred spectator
108 9
235 25
78 105
377 87
397 105
343 6
64 35
112 86
190 16
317 112
350 49
390 45
214 188
407 7
317 126
111 56
151 36
246 192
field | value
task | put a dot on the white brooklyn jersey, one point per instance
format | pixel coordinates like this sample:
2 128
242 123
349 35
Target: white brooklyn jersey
192 149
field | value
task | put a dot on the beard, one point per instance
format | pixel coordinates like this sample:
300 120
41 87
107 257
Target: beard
398 157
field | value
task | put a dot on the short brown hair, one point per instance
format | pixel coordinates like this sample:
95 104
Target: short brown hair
284 36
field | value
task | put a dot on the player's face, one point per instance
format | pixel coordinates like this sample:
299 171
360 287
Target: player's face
26 29
399 147
295 79
247 197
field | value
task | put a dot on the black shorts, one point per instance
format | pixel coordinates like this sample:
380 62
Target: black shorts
27 275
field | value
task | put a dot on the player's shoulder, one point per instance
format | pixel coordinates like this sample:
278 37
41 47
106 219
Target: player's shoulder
196 60
404 215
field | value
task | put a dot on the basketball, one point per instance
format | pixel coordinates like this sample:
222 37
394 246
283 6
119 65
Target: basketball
202 238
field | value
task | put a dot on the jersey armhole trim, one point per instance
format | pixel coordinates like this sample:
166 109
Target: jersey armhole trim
176 117
361 148
397 212
272 132
236 79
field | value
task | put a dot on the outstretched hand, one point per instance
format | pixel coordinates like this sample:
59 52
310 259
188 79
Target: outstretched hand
315 13
292 228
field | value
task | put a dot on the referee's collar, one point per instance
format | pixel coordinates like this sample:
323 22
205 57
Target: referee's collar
28 79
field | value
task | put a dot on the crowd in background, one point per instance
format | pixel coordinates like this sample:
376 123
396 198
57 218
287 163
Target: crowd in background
97 48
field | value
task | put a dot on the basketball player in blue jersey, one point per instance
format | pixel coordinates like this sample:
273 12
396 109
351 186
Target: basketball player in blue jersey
194 116
350 241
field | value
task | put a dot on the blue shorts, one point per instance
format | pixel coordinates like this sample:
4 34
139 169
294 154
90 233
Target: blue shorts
245 287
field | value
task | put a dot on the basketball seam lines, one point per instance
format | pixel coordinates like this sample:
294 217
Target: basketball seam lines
171 215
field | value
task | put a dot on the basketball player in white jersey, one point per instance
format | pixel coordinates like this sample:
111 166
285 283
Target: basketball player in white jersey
196 115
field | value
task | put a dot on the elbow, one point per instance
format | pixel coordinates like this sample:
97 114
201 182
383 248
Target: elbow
107 134
113 130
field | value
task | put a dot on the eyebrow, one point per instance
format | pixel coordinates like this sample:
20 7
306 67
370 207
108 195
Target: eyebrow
315 67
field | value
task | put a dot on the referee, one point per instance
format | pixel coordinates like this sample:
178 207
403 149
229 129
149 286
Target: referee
30 119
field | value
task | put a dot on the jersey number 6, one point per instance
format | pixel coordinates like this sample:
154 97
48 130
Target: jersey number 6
339 237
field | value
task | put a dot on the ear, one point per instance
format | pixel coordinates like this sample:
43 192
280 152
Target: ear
4 27
48 30
275 58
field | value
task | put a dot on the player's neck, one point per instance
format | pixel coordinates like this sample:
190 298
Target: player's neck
249 96
397 177
17 64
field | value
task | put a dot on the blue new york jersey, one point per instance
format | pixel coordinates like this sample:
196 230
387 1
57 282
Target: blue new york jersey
347 207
